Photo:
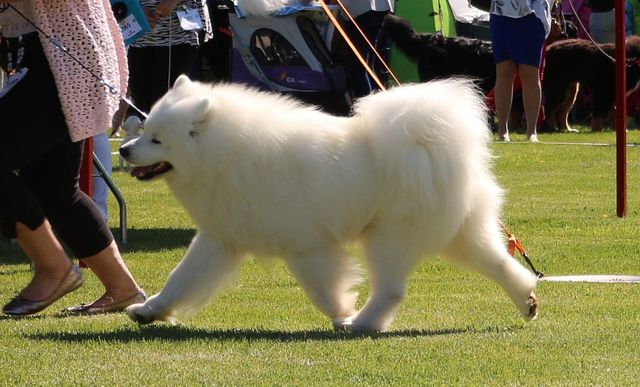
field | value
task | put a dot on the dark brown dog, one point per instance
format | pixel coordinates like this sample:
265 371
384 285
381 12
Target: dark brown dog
575 63
438 56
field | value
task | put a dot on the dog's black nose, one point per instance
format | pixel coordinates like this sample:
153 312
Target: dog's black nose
124 152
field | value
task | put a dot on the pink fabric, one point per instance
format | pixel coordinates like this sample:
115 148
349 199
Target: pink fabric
88 29
583 12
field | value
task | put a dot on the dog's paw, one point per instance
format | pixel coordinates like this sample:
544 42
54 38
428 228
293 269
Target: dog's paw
136 313
532 307
355 325
342 323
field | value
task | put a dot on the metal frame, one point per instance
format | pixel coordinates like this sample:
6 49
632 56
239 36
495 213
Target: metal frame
116 192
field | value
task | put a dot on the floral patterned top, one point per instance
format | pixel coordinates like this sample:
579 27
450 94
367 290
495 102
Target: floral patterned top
89 32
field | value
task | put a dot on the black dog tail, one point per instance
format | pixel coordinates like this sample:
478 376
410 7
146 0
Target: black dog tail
403 35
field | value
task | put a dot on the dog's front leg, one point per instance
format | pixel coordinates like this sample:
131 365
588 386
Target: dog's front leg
204 270
328 276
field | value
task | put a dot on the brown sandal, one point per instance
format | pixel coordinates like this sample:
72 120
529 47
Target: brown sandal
119 306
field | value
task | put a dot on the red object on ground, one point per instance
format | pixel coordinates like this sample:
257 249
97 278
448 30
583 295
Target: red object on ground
86 168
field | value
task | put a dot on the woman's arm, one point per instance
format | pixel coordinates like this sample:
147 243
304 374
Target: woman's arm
165 7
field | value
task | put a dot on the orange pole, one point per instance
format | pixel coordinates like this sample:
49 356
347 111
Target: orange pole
373 49
351 45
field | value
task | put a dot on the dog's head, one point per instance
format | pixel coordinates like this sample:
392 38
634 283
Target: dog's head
633 63
633 48
169 138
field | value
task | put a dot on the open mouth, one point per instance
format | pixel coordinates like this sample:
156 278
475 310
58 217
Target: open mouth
148 172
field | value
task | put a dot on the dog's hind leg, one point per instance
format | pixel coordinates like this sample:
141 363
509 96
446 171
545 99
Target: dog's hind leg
327 276
554 97
391 258
562 112
204 270
479 246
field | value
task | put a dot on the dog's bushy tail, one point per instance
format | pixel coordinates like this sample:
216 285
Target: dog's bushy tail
447 114
403 35
429 135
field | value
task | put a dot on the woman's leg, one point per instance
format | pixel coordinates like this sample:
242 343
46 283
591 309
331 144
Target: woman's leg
100 196
152 71
531 97
50 262
22 218
505 75
25 139
141 69
111 270
46 185
183 56
77 220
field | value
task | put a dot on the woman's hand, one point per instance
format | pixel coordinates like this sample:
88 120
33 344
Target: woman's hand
151 15
165 7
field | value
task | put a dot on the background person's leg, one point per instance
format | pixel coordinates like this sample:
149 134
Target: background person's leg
505 74
531 97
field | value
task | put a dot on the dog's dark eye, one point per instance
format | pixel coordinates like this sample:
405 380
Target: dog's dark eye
155 141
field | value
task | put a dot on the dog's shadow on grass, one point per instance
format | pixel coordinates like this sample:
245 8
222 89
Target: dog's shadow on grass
170 333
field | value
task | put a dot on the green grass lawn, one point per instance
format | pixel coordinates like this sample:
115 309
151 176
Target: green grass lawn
455 327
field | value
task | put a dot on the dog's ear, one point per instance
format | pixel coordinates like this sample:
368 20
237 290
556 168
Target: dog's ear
200 110
199 113
182 81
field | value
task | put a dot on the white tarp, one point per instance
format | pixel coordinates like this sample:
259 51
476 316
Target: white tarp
465 13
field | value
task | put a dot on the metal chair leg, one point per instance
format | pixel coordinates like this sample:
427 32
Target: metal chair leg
116 192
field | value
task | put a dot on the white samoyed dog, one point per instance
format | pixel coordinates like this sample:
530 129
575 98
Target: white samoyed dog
408 175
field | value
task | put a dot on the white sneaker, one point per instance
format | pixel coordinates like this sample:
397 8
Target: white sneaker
533 138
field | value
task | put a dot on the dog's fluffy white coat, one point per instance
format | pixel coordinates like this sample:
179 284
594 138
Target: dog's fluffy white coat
408 176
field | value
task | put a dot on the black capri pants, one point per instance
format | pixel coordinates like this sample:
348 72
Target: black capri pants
39 164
